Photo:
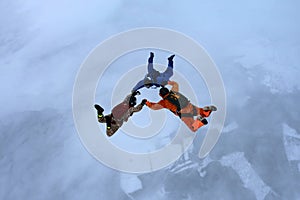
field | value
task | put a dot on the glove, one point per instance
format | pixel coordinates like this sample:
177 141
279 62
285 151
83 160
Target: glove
135 93
132 101
144 101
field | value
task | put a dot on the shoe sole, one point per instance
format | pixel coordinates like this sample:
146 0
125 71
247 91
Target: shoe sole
211 108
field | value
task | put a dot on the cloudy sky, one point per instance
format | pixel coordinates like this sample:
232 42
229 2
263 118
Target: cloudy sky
255 46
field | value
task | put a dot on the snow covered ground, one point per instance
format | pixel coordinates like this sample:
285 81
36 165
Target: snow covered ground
256 47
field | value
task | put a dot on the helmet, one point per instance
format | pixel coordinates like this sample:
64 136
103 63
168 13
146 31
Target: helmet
163 91
132 101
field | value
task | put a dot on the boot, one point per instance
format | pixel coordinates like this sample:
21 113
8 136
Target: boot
108 122
109 132
210 108
170 59
100 110
150 59
200 121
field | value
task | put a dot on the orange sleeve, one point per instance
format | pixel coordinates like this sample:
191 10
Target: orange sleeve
155 106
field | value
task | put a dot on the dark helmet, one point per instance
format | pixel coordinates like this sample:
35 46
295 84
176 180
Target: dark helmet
163 91
132 101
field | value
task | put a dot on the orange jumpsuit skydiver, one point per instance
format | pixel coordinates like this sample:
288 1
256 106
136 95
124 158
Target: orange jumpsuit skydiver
187 112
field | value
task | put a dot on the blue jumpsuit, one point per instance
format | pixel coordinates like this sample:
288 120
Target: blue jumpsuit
157 79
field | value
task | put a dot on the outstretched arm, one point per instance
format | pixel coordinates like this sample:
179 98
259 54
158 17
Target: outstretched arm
138 86
155 106
137 108
175 86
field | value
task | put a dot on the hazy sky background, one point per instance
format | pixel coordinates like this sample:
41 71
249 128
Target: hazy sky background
255 45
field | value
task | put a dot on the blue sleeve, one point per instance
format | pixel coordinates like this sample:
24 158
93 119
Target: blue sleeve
138 86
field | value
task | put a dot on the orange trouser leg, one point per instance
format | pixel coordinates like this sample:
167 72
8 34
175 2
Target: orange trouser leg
193 125
203 113
190 108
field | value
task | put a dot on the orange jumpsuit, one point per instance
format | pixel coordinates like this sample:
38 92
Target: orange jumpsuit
187 113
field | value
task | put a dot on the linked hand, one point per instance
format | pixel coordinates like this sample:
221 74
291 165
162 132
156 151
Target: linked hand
148 103
144 101
136 93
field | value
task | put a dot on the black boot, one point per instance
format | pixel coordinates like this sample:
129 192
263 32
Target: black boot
99 109
202 119
150 59
108 122
170 59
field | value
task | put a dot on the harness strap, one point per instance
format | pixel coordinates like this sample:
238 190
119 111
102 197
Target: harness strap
188 114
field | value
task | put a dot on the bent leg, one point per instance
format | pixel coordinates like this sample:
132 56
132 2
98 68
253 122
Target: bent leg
102 119
168 73
202 112
111 125
150 68
205 113
193 125
112 130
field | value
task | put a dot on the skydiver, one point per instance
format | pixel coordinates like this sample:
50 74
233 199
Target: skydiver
154 77
120 113
182 107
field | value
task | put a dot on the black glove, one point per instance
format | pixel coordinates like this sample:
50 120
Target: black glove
132 101
135 93
143 102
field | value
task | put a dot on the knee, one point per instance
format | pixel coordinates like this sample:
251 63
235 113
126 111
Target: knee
101 119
